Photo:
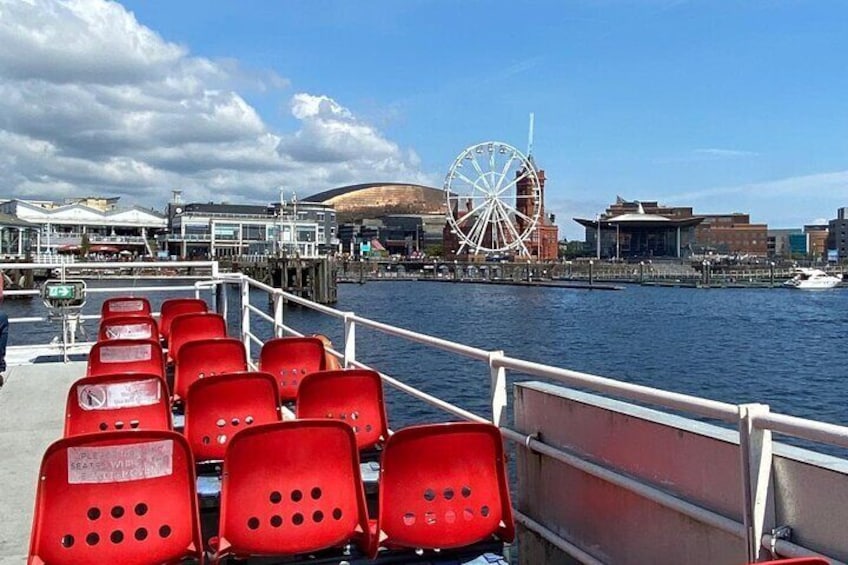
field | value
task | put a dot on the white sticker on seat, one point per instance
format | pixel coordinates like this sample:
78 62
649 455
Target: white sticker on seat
124 353
109 396
127 306
129 331
120 463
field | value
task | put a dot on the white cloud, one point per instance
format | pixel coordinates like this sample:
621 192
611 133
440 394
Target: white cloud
93 102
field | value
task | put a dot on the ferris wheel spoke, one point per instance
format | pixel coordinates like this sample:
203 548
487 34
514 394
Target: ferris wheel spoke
485 225
509 223
470 213
479 226
471 183
503 173
512 183
499 225
517 213
480 172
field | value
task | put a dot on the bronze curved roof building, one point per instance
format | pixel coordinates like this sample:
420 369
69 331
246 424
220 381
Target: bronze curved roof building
373 200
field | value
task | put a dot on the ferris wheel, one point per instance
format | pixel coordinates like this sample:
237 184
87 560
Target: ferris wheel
494 199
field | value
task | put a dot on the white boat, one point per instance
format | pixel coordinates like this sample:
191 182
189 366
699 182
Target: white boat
813 279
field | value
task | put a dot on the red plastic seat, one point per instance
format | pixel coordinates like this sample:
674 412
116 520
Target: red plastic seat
354 396
290 488
798 561
173 307
444 486
117 497
194 326
290 359
204 358
126 356
116 402
128 327
217 407
125 306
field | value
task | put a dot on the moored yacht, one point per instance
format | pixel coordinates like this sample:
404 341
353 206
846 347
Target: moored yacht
813 279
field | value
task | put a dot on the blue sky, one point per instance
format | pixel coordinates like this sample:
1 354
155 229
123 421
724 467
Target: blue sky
725 106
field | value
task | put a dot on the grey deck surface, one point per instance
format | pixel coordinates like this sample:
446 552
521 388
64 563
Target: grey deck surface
32 408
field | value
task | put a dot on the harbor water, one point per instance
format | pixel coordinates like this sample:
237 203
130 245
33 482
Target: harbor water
780 347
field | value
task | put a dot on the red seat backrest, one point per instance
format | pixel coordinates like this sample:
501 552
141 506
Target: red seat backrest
173 307
798 561
290 359
204 358
128 327
354 396
126 356
291 488
194 326
444 486
125 306
217 407
117 402
117 497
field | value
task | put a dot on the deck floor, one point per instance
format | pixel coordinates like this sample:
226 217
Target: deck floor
32 407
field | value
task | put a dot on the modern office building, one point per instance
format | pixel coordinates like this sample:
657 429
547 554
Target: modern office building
837 239
215 230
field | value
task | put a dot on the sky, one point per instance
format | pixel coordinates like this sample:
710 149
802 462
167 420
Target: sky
725 106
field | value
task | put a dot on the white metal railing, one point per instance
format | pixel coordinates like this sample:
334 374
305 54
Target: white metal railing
754 421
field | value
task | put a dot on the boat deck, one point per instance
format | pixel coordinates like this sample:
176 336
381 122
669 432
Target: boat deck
30 420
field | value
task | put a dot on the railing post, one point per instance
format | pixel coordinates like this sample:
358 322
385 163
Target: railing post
755 450
349 340
221 305
497 389
245 315
278 314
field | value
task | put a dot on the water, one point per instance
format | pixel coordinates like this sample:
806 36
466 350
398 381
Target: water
781 347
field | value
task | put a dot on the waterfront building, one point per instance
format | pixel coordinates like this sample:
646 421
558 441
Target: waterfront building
201 230
66 226
357 202
15 237
780 244
731 234
633 229
837 239
817 235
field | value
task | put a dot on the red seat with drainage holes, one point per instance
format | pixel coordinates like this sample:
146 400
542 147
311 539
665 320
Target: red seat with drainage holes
126 356
116 497
292 488
204 358
444 486
194 326
117 402
124 306
290 359
173 307
217 407
128 327
354 396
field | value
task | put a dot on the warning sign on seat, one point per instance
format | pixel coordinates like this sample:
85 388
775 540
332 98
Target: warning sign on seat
125 353
120 463
129 331
109 396
126 306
